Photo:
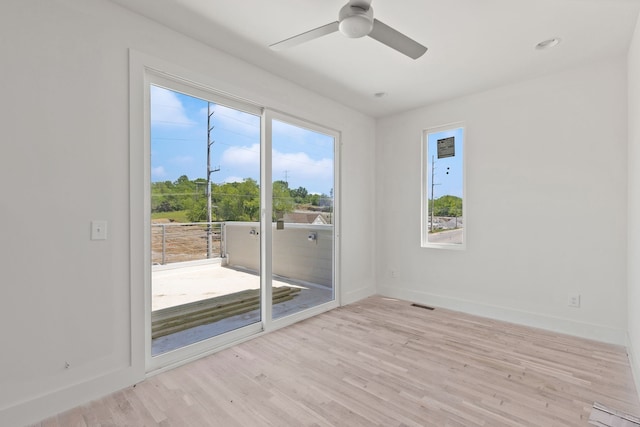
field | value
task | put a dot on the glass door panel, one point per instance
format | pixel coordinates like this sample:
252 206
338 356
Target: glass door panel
303 218
205 219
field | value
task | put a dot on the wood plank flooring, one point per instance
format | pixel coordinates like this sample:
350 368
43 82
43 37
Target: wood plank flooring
381 362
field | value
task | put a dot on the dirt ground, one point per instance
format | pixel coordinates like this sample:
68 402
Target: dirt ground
182 242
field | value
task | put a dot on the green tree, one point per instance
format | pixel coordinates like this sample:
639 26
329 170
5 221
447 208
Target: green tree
447 206
167 196
237 201
282 200
300 194
250 191
198 211
233 201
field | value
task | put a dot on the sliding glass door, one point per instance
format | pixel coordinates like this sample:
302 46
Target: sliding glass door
230 255
303 217
205 211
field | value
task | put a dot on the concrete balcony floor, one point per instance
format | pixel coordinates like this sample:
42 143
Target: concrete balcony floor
185 282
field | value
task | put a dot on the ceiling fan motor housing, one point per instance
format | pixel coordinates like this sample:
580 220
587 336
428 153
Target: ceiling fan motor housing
355 21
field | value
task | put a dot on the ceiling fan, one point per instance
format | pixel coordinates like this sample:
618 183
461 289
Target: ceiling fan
356 20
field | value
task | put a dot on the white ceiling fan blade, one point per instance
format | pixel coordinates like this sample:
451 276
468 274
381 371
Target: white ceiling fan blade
396 40
362 4
306 36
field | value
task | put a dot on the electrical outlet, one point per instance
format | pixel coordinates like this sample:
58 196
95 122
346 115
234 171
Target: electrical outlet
98 230
574 300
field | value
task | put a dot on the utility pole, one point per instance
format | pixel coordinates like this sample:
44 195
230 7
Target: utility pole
433 174
433 184
209 172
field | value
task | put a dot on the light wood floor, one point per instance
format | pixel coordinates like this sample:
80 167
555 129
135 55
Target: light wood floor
381 362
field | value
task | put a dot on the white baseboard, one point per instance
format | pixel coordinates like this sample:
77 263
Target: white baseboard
358 294
43 406
536 320
635 364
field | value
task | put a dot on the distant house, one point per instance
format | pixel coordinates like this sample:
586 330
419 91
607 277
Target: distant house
305 218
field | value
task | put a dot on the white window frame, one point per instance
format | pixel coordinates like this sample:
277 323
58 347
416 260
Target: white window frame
270 116
145 70
426 183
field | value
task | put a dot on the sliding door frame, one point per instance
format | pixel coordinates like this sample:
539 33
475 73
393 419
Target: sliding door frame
145 71
270 115
197 349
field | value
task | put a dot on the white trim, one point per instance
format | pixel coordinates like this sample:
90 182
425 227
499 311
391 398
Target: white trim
302 315
200 349
270 116
178 84
635 364
266 239
337 219
159 77
550 323
36 409
145 71
277 324
424 190
139 203
358 294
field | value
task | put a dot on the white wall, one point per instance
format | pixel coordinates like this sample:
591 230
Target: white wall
546 197
294 255
633 254
64 115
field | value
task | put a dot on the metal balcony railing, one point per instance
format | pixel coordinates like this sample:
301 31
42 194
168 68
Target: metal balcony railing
302 252
177 242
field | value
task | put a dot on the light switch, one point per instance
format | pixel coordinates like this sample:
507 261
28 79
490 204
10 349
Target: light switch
98 230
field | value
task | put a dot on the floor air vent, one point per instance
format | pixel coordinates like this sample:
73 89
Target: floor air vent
426 307
606 417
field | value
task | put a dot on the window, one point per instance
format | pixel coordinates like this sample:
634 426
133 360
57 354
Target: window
443 207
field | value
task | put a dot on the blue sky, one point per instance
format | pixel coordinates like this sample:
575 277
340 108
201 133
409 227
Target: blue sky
179 145
451 183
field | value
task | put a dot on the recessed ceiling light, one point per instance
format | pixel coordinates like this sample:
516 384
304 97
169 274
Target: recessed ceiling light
379 94
548 44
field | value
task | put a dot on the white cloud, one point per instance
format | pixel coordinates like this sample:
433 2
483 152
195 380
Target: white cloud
241 157
231 179
167 109
301 168
158 172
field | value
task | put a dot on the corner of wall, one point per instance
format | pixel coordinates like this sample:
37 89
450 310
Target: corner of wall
633 203
635 364
357 294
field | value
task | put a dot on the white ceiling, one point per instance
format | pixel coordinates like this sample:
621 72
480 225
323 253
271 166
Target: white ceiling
473 44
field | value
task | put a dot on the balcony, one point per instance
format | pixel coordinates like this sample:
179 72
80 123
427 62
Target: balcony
205 277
